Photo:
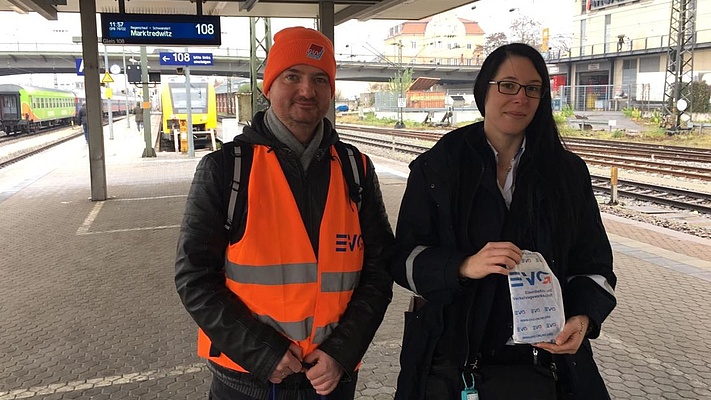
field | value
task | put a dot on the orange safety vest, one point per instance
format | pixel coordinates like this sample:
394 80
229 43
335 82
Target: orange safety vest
273 268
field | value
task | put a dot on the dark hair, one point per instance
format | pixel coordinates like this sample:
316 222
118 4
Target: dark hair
542 136
547 138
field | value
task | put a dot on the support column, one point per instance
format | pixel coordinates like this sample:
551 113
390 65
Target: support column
148 151
90 50
260 43
326 19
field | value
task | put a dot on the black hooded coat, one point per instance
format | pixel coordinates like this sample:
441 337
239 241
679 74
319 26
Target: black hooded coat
451 208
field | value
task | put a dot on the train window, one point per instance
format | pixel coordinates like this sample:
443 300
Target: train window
198 100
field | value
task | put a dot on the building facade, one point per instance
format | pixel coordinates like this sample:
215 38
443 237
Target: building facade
443 39
618 56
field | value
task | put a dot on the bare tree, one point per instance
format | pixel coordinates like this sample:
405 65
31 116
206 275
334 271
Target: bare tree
378 86
493 41
525 29
559 45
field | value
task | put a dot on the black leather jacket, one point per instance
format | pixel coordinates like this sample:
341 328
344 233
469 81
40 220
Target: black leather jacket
203 241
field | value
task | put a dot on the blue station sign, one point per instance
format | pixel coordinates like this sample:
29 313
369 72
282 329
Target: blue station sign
186 59
161 29
79 63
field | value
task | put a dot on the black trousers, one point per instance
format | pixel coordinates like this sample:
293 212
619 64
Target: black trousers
444 381
221 391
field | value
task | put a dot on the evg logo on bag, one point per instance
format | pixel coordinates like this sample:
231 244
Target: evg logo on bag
518 279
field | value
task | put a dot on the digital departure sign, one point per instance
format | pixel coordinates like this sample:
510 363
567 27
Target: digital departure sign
161 29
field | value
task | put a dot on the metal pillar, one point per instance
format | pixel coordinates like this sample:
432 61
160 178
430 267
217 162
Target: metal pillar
400 124
110 112
189 111
148 151
125 85
680 62
325 26
90 50
264 43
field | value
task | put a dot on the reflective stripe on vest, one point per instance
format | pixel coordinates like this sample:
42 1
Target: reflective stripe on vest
273 268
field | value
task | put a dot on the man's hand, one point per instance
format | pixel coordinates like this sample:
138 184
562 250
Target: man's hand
570 338
494 258
289 364
325 373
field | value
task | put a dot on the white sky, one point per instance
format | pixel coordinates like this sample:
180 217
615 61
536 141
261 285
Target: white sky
350 37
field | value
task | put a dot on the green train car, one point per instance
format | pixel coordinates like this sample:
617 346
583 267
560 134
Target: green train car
25 109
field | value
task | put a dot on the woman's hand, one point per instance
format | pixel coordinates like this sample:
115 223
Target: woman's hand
570 338
494 258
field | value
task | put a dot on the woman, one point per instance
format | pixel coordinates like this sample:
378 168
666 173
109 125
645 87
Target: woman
483 194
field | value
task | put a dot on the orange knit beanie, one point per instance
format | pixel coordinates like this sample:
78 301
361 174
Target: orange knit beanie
299 45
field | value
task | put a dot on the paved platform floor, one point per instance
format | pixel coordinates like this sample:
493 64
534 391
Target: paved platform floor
88 308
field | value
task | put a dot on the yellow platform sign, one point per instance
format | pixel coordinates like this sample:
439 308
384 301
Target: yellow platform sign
107 78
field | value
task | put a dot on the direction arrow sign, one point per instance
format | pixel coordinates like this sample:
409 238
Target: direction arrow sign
79 62
186 59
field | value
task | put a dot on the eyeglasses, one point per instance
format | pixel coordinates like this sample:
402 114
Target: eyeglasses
512 88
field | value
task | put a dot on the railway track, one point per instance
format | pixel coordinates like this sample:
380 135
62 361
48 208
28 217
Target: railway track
403 142
31 152
7 139
38 145
683 162
671 197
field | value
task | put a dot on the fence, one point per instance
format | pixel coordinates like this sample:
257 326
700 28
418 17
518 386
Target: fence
644 44
416 100
607 97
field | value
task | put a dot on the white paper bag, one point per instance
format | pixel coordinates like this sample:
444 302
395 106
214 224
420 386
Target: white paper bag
536 300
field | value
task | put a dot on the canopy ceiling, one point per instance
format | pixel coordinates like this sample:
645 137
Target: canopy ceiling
344 9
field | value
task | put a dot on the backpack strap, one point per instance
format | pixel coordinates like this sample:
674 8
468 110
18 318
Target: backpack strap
238 164
238 156
353 166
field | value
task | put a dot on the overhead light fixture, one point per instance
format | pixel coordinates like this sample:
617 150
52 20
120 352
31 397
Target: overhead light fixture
45 9
248 5
19 7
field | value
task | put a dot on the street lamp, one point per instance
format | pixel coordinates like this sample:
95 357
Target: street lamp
401 98
125 85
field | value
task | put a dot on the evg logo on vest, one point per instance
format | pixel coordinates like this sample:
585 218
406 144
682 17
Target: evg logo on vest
348 242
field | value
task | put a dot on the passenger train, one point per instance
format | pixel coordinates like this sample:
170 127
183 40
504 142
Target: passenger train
25 109
203 105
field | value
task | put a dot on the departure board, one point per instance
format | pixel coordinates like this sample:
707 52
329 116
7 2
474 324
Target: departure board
161 29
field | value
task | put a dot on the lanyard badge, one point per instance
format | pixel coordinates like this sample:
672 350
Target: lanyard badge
469 392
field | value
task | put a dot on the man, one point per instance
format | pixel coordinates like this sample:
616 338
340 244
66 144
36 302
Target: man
290 297
138 114
83 121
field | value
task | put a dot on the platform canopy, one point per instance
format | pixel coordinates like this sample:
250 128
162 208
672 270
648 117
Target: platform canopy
344 10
